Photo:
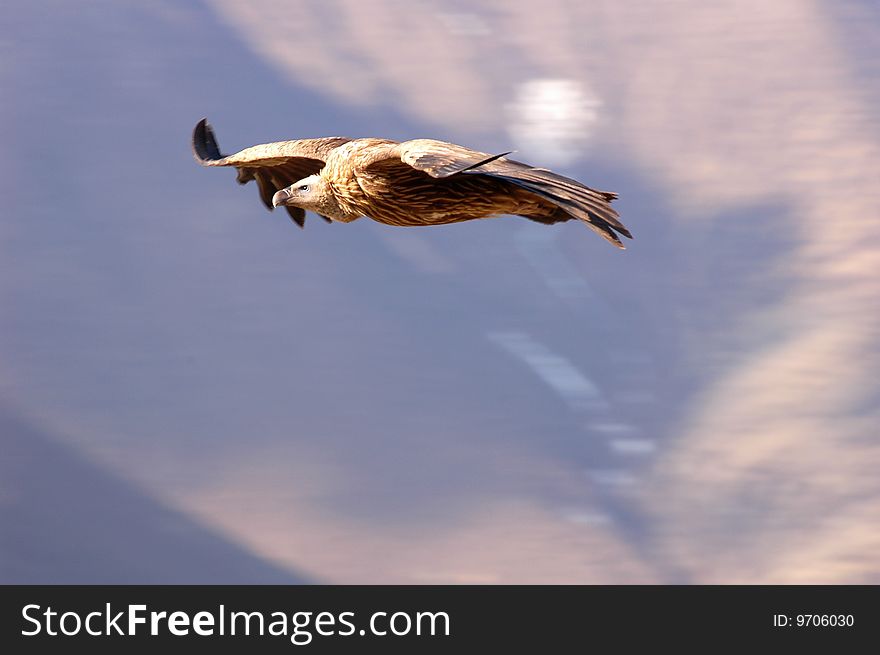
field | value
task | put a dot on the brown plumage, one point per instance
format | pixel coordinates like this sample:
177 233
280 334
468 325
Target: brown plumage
419 182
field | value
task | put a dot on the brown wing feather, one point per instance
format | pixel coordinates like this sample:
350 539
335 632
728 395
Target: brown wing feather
441 160
273 165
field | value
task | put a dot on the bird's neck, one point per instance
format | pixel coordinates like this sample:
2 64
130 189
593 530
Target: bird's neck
340 203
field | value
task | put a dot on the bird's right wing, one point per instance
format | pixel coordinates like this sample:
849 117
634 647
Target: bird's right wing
442 160
273 165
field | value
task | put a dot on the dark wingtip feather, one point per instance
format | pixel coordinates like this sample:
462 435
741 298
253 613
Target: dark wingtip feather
266 188
579 201
606 232
624 231
204 143
297 215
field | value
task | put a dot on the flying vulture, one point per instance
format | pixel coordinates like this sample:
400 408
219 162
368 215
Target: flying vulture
418 182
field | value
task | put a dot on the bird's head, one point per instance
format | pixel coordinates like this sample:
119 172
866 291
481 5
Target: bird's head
312 193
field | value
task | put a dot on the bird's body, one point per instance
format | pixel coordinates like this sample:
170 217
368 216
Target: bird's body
414 183
404 196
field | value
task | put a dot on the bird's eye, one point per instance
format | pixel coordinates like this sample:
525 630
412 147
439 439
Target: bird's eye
304 187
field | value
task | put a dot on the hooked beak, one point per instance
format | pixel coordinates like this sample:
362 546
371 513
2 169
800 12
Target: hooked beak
281 197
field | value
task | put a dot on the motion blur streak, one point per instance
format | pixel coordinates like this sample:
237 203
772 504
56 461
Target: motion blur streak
327 401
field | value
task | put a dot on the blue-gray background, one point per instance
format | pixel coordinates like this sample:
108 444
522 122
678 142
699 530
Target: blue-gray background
194 390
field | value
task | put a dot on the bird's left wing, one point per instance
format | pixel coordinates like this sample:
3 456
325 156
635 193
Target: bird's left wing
442 160
273 165
436 158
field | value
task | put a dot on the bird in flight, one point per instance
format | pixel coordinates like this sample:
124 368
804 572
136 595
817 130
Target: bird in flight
418 182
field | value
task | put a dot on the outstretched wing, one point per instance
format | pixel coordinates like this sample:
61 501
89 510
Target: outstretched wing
273 165
441 160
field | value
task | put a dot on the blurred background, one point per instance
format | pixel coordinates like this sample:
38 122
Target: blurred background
194 390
